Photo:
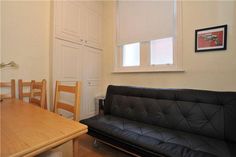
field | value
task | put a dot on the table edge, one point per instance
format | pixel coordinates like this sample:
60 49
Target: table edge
39 149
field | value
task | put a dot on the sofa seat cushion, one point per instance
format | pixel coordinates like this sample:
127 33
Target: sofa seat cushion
158 139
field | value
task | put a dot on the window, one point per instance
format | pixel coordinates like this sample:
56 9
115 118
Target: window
161 51
131 54
147 40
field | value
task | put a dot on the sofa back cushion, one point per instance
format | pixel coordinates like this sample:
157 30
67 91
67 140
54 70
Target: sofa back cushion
202 112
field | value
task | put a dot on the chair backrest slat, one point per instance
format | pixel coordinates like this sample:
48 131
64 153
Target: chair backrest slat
37 86
34 101
66 107
24 95
5 96
5 84
26 83
69 89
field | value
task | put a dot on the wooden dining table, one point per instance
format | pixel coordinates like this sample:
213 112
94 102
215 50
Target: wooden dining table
28 130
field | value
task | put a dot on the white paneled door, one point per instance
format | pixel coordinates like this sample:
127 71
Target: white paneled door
69 20
77 50
73 62
79 22
93 26
92 80
68 61
67 67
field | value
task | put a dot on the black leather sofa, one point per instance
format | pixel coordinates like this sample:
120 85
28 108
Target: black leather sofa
168 122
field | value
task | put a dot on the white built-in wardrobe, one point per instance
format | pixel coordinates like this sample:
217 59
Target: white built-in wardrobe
77 49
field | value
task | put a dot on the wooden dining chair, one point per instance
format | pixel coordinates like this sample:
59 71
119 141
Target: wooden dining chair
12 87
75 109
38 93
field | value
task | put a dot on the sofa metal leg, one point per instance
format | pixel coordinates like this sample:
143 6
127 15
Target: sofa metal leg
95 144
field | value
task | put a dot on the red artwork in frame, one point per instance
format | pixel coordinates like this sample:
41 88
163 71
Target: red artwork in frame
211 39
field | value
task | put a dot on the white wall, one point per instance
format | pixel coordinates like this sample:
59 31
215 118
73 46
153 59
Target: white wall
25 38
25 28
209 70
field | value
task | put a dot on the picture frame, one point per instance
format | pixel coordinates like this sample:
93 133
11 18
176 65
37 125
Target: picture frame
211 39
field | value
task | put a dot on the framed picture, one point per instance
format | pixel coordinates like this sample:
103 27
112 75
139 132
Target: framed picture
211 39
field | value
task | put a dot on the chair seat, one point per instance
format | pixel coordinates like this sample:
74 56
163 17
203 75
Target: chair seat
166 141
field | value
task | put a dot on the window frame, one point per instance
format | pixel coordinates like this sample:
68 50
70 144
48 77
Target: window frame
145 52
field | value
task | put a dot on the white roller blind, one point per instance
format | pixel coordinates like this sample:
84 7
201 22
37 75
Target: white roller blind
144 20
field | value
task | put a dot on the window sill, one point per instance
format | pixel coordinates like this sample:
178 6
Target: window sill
148 71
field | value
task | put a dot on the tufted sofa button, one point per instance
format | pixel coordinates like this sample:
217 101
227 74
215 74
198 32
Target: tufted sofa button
164 112
185 115
176 98
197 100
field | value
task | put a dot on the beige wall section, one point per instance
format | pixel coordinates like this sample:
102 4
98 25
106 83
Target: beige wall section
25 27
209 70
